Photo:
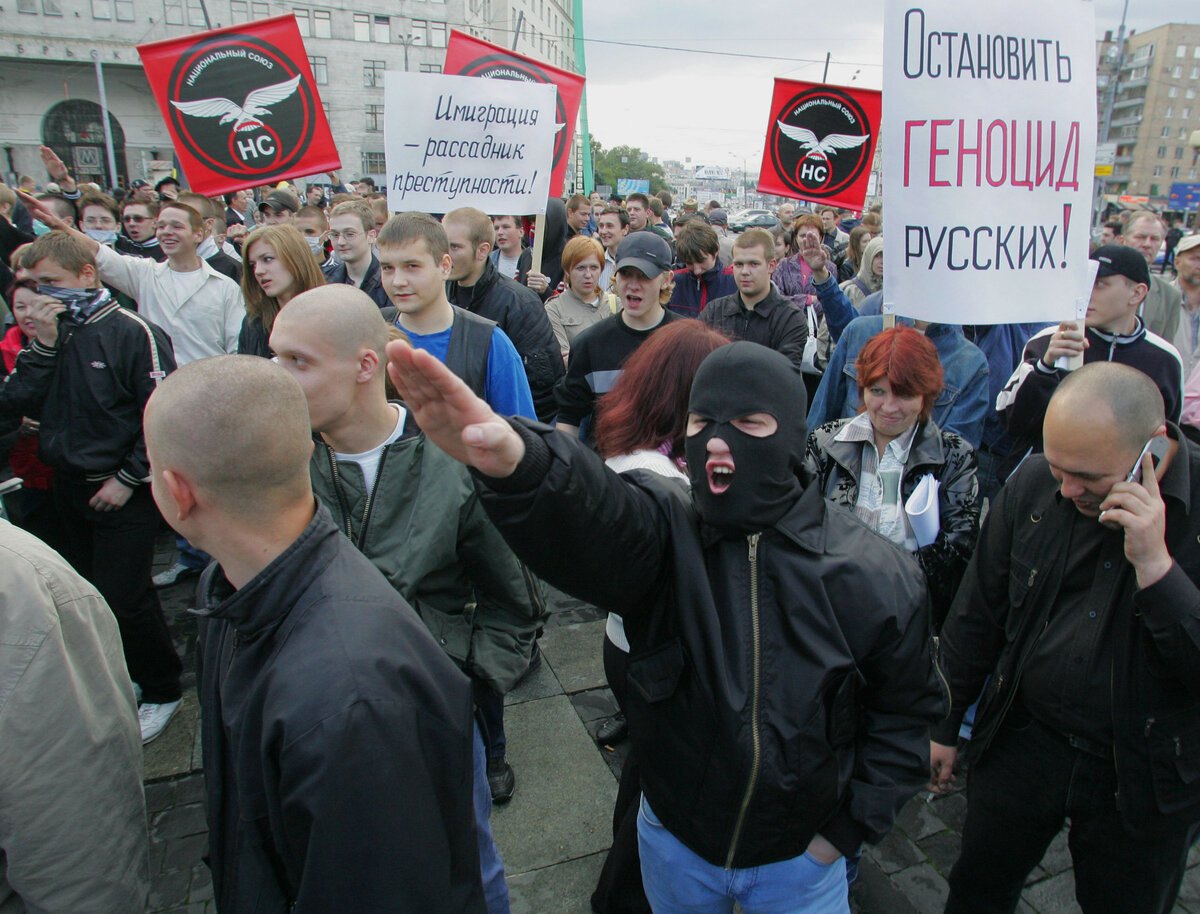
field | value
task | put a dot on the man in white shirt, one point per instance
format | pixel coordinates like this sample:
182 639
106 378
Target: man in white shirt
508 245
200 309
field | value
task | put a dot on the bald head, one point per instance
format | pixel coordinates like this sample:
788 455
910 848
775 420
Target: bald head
1120 399
341 316
236 427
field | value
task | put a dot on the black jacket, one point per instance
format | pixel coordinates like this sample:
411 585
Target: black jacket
774 322
779 685
837 466
126 245
336 273
90 391
226 265
521 315
253 339
1002 608
337 742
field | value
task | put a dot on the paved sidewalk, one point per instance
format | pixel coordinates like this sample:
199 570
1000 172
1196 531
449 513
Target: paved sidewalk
554 834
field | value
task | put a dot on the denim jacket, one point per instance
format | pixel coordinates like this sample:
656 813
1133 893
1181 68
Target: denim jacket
961 406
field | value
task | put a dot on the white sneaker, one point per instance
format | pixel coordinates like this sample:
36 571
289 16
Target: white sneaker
174 575
153 718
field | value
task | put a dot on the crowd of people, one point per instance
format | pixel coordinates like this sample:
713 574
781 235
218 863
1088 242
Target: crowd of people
838 548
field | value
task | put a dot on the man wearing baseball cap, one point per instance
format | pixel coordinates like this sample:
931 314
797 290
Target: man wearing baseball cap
279 208
1187 281
1112 332
644 281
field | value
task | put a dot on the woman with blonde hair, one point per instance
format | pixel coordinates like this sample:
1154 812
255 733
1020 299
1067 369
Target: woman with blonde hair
582 303
278 266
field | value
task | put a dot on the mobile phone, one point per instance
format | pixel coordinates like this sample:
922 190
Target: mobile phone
1157 447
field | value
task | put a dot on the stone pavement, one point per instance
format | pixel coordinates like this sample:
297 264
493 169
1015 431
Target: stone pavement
554 834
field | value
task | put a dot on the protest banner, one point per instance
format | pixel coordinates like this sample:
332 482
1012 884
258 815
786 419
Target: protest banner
469 56
456 141
241 105
989 127
820 143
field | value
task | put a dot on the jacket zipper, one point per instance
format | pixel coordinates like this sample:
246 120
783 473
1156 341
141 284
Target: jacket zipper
370 497
941 675
754 687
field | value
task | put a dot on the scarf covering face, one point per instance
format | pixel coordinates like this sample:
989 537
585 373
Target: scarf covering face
80 303
735 381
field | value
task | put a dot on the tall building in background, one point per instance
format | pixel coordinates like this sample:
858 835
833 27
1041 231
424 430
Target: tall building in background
50 89
1155 109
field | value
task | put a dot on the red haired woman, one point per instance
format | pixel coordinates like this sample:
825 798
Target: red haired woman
640 425
872 464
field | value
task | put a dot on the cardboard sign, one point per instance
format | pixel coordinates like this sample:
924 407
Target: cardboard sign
468 56
241 105
820 143
455 141
989 143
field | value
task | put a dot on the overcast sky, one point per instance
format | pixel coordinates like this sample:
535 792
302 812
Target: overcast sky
714 108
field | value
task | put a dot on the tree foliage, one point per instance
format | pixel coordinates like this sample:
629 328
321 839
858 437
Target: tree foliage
625 162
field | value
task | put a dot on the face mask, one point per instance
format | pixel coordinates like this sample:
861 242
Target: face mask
316 244
102 236
40 228
80 303
735 381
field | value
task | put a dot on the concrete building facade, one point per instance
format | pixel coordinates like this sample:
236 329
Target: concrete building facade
1155 111
49 83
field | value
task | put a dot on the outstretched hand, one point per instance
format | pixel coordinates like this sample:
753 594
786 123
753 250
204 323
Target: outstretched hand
450 414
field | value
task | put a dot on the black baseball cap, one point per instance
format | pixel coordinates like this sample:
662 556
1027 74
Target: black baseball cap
279 200
1122 260
645 251
139 183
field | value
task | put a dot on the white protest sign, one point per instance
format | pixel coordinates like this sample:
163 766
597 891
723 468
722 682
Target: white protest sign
456 141
989 127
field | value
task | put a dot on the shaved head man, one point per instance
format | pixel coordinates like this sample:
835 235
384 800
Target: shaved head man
346 727
1083 590
369 454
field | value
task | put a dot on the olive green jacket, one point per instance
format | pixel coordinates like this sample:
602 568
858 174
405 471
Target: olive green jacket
424 529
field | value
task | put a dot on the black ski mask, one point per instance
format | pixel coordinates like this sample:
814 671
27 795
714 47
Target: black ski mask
735 381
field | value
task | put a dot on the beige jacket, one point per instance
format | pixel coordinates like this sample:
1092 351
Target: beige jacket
1160 311
73 832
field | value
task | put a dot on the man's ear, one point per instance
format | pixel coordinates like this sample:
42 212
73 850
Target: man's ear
182 491
369 365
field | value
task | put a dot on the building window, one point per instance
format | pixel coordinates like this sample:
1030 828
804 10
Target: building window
26 6
1172 91
1195 73
1139 73
320 68
1158 171
259 10
420 32
1185 113
322 24
437 34
383 30
1153 190
374 163
51 8
101 9
431 68
1162 152
1181 51
1179 152
373 74
1175 172
173 11
124 10
1170 112
304 22
239 11
1177 71
374 118
362 27
1166 133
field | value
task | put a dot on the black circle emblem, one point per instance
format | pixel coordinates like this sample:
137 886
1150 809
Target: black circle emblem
819 142
241 106
498 66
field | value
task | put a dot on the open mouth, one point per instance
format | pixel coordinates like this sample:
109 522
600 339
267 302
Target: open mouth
633 301
720 476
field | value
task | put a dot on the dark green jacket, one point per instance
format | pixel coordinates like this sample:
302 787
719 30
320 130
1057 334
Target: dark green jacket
425 530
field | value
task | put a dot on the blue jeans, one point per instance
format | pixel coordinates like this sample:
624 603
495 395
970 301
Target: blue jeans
679 881
495 889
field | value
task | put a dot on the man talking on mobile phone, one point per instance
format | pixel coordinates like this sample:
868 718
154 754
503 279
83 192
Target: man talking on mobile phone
1082 605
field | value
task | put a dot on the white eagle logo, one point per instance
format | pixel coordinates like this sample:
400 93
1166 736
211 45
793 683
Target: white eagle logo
247 115
829 146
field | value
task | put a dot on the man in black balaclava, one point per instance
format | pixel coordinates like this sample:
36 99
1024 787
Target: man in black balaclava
780 685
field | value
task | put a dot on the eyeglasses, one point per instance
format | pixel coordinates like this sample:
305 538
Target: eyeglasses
135 218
